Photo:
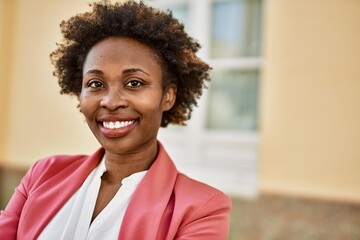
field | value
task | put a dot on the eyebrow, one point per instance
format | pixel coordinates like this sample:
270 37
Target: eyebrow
95 71
133 70
130 70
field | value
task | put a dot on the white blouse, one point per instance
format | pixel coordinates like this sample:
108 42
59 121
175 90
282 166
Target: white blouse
73 221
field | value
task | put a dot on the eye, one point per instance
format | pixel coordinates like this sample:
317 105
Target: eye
95 84
134 83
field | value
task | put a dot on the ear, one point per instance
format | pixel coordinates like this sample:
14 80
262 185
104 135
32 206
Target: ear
169 97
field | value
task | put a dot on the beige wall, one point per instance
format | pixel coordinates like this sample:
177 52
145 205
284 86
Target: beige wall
2 81
7 20
38 116
310 123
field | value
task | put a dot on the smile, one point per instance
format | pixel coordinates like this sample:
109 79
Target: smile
117 124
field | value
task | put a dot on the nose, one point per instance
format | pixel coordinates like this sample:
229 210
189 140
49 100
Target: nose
113 99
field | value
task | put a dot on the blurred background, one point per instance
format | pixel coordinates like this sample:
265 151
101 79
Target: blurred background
278 129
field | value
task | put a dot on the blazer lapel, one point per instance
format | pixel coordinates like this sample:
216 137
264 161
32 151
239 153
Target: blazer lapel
49 196
145 212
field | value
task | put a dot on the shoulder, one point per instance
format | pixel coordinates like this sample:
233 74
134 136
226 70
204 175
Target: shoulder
60 166
186 183
66 161
198 195
202 211
56 162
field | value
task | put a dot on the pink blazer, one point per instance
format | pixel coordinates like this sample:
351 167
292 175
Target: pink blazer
166 204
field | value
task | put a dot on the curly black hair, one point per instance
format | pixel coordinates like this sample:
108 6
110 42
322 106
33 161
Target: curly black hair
157 29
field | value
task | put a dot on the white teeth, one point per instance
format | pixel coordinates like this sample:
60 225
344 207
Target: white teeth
117 124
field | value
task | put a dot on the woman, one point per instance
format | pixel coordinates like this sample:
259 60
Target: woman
133 69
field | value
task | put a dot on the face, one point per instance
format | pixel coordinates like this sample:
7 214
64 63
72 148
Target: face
122 96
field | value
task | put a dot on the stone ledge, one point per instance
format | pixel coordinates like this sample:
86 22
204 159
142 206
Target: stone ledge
277 217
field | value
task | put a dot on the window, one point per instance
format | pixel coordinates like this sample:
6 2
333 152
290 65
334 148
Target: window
235 44
233 100
230 34
235 28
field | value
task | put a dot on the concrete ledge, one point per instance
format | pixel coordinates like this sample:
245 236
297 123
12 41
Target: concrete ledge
9 180
280 217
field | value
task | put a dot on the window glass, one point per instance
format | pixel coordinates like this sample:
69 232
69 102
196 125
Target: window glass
179 9
181 12
235 28
233 100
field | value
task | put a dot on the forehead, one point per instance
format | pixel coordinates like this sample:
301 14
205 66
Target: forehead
125 51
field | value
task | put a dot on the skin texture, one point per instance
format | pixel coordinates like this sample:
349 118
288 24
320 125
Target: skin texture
122 81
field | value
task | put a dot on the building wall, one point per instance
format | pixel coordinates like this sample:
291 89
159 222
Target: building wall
310 123
310 96
7 14
40 121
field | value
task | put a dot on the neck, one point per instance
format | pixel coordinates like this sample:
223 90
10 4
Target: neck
120 166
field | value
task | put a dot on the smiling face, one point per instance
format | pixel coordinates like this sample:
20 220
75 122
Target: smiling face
122 97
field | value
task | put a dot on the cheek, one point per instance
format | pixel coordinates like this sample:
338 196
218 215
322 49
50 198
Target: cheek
87 105
82 103
151 107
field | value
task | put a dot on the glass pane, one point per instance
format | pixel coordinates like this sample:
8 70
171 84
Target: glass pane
181 13
233 100
235 30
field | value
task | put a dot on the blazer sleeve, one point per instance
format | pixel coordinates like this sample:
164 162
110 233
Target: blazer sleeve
9 218
210 222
